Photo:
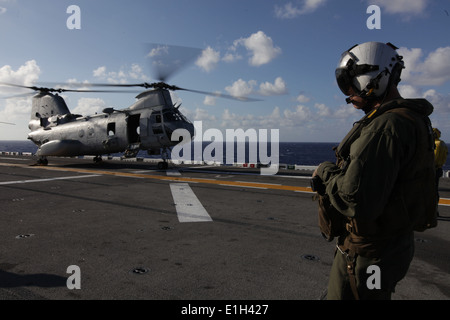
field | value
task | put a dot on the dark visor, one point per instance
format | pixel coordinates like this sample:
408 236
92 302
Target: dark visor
344 80
345 75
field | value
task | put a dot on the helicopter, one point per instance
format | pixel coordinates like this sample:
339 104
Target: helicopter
148 124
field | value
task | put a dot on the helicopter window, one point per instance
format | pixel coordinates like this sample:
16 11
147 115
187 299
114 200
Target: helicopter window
170 116
158 118
183 118
111 129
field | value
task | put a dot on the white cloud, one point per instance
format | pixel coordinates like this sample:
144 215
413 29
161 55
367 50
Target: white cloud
404 7
100 72
323 110
345 112
203 115
299 121
261 47
17 109
277 88
25 74
2 10
231 57
88 106
440 117
134 72
298 115
441 102
409 92
208 59
433 70
160 50
241 88
289 11
232 120
209 101
302 98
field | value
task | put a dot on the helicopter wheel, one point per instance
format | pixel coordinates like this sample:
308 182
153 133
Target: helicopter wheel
98 159
163 165
42 161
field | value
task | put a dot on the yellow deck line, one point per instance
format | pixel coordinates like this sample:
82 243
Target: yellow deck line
442 201
168 178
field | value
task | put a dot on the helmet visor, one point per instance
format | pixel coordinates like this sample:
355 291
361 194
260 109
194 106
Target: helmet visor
344 80
343 77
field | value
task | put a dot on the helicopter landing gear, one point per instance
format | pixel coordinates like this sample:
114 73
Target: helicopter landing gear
42 161
163 165
98 159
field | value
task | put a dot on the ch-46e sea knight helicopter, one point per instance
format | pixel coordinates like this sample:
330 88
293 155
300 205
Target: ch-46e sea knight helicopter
147 124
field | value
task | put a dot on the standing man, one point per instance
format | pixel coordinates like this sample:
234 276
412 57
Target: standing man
440 157
383 184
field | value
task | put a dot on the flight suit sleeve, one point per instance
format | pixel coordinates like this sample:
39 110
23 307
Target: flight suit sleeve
363 189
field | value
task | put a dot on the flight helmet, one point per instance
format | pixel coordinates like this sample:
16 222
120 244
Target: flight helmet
369 69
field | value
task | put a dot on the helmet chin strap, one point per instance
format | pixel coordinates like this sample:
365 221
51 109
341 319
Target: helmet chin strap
371 103
362 94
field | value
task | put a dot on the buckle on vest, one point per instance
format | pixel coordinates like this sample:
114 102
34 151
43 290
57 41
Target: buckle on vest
349 227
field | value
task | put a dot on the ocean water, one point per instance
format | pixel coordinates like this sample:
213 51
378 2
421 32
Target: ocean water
291 153
300 153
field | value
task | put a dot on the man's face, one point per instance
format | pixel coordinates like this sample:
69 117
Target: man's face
357 101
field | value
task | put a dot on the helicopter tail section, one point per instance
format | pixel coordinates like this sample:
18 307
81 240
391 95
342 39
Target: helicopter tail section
46 105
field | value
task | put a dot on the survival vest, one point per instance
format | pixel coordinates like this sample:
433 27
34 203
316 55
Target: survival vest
413 203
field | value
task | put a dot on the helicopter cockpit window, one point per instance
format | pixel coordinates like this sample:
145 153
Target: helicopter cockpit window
183 118
171 116
158 118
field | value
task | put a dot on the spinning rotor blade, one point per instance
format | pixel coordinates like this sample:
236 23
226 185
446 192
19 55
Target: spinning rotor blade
169 59
221 95
13 124
166 60
59 90
163 85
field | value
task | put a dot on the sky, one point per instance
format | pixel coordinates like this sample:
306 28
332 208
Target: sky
281 52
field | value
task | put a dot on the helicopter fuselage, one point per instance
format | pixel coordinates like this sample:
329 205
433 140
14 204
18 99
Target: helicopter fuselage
148 125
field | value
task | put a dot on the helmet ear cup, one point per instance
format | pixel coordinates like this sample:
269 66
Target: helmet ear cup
396 74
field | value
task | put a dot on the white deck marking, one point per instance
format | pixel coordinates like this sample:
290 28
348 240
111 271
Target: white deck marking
189 208
173 172
19 159
48 179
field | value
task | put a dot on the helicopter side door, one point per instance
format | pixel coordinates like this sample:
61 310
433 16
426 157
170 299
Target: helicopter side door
133 128
152 131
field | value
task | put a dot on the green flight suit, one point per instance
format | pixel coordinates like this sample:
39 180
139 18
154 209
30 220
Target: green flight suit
382 186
